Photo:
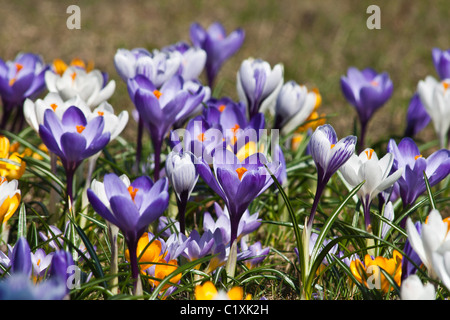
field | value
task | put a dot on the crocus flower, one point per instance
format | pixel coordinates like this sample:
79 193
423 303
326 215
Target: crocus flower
21 257
59 267
367 91
126 61
208 291
131 206
237 183
218 46
193 60
434 233
258 85
435 97
417 117
329 155
199 246
12 167
160 109
180 170
90 86
441 60
294 105
370 274
412 183
40 261
20 79
413 289
20 287
73 138
375 172
247 224
10 197
440 262
258 253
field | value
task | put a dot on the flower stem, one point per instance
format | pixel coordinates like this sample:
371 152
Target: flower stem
157 152
182 213
132 248
362 137
139 143
319 191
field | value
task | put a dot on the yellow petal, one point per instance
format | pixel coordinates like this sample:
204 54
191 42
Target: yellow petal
236 293
207 291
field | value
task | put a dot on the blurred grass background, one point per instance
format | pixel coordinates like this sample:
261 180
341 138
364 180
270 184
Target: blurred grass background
315 40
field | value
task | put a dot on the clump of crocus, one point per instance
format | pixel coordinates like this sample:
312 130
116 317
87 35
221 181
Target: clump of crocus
218 46
367 91
237 183
20 79
10 197
257 253
369 273
329 155
73 138
180 170
435 96
131 206
258 85
208 291
12 166
375 172
441 61
412 182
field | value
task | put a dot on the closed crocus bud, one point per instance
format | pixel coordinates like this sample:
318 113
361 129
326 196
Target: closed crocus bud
180 170
435 97
61 261
258 85
441 60
21 257
417 117
294 105
125 61
413 289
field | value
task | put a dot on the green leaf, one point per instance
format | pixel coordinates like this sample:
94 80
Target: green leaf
22 223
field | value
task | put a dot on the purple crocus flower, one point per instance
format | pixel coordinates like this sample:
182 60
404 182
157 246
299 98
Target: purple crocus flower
21 287
160 109
130 206
218 46
20 79
73 138
417 116
441 60
412 182
247 224
258 253
193 60
258 85
198 246
237 183
41 261
21 258
367 91
329 155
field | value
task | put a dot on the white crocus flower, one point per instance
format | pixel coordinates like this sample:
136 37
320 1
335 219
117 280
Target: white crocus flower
375 172
440 260
258 85
433 235
113 123
159 67
435 96
294 105
413 289
76 81
180 170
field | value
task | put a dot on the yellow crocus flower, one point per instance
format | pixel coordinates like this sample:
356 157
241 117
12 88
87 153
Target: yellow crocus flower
208 291
9 199
11 166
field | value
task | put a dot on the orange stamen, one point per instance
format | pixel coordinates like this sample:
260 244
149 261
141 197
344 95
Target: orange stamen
235 128
132 191
446 85
38 262
80 129
73 76
222 107
374 83
12 81
100 113
240 171
54 106
201 137
332 146
157 93
369 153
417 157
